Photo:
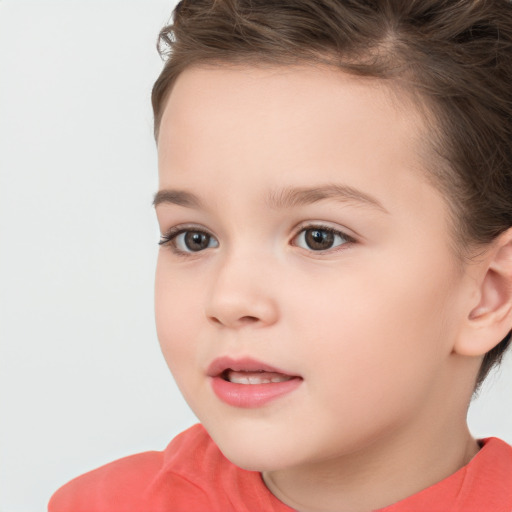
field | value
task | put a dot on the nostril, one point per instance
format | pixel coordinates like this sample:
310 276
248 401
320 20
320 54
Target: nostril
243 320
248 319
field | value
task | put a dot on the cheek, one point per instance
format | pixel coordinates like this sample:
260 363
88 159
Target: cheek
176 315
374 336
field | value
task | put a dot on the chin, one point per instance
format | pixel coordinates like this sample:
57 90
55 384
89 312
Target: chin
254 451
253 460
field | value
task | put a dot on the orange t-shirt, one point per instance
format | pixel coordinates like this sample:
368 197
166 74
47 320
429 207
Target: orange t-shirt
192 475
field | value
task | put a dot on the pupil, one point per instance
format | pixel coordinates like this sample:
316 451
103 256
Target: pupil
196 241
319 239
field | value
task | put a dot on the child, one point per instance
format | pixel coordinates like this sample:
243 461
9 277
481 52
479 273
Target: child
335 274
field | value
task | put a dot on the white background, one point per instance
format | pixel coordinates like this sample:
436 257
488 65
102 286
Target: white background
82 380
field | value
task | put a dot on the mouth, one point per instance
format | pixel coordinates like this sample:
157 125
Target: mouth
249 383
251 377
247 371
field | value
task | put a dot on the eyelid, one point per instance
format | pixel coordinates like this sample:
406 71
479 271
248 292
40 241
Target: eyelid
330 226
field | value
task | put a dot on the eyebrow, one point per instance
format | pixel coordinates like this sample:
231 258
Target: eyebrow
179 197
291 197
288 197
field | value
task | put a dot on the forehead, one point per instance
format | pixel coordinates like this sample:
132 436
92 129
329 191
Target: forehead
238 121
299 92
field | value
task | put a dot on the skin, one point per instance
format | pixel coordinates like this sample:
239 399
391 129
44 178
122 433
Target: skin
371 325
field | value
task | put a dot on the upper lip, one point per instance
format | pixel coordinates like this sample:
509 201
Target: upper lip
247 364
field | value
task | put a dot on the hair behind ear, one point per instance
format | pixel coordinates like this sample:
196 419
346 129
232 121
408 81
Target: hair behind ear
492 359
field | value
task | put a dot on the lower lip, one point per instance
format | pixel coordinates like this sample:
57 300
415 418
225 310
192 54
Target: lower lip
252 395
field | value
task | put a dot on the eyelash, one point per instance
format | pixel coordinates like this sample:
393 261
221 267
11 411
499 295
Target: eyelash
169 239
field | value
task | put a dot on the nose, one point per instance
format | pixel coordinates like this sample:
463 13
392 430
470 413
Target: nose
242 294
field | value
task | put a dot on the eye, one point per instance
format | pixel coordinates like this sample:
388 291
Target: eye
320 238
188 240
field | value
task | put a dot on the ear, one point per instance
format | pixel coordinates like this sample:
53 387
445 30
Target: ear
490 316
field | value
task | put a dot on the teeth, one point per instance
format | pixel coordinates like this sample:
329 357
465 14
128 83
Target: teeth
241 377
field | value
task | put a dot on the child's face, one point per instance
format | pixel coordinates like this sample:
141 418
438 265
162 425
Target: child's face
313 245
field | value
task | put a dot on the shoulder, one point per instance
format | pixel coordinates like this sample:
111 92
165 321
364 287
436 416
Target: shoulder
488 480
190 475
494 461
130 483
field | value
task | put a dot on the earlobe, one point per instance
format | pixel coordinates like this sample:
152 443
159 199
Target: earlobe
490 320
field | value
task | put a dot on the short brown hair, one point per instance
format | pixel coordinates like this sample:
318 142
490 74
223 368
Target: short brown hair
455 56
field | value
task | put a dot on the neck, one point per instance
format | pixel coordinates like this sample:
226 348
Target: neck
389 470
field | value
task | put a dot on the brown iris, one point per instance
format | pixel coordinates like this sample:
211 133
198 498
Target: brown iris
196 241
319 239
